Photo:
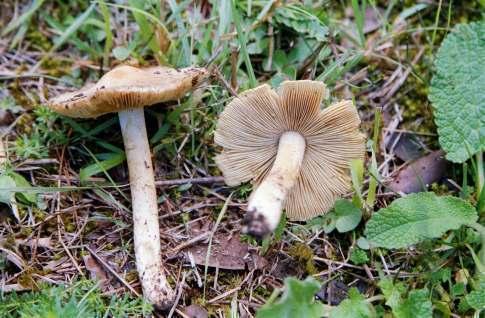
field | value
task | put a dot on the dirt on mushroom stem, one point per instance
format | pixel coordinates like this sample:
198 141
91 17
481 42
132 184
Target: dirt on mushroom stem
265 205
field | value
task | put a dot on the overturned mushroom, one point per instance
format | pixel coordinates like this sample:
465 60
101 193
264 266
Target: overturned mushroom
297 155
127 90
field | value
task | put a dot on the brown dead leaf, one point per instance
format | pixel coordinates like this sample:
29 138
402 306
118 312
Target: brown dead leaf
227 253
418 175
196 311
44 242
96 272
163 38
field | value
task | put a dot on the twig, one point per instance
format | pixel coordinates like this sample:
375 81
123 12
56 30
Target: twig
234 59
179 294
223 81
190 242
224 295
112 271
202 180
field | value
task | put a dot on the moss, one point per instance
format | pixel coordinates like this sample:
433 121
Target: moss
440 189
38 214
303 254
25 231
26 278
38 40
9 242
24 124
19 96
56 67
131 276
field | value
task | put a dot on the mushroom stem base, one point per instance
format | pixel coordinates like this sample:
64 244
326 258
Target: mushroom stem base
145 212
266 202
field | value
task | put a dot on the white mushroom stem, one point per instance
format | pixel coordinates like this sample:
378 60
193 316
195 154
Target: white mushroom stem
145 212
267 200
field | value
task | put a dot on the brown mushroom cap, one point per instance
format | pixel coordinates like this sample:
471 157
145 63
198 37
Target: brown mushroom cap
249 129
128 87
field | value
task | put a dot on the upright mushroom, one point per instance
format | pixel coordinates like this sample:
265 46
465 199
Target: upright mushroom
297 155
127 90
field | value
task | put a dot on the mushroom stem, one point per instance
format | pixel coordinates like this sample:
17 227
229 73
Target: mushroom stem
266 202
145 212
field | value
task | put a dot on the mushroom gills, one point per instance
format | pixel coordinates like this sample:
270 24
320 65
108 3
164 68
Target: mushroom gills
266 202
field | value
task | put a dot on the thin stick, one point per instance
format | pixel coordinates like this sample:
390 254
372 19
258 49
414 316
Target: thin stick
202 180
234 59
179 294
224 83
112 271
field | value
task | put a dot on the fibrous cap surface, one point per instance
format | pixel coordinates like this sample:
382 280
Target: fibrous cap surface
129 87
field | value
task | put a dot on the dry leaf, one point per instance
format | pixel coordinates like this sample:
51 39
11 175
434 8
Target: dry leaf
227 253
95 271
196 311
418 175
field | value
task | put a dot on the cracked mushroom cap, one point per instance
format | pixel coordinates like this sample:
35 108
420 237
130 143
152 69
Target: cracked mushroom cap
251 124
129 87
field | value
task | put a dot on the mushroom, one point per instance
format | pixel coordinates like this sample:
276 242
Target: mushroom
297 155
127 90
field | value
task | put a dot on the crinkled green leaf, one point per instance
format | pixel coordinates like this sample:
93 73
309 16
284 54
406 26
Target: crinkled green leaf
457 92
348 216
302 21
392 291
355 306
417 305
298 300
416 217
476 299
358 256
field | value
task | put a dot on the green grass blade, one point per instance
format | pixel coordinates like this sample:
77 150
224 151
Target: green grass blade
241 36
359 16
371 194
72 28
24 18
107 29
186 56
114 160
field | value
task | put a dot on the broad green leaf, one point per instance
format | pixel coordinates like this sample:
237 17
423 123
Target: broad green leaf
298 300
457 93
326 222
6 183
355 306
416 217
20 182
111 161
417 305
348 216
392 291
